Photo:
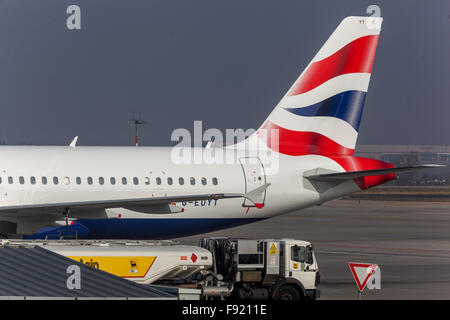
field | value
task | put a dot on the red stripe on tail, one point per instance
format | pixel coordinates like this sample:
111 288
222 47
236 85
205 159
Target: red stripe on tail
355 57
298 143
357 164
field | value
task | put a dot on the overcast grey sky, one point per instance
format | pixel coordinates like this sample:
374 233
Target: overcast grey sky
224 62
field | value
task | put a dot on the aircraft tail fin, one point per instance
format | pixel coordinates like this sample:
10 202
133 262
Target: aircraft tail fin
321 112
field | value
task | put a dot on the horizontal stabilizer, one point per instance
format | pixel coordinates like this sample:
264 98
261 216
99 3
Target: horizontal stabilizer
325 175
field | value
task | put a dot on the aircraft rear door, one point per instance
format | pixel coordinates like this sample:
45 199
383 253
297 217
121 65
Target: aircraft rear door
254 177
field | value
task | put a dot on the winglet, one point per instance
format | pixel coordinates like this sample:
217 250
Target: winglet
73 144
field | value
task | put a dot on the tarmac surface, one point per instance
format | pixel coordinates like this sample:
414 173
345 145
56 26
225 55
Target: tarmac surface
410 242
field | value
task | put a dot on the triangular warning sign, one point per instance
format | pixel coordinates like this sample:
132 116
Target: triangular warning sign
273 249
362 273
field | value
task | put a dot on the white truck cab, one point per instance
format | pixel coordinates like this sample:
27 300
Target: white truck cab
279 269
298 265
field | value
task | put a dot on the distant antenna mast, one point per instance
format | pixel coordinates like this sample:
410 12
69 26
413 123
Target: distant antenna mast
137 122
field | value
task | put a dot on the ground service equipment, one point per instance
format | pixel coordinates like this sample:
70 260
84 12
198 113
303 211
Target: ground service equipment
222 268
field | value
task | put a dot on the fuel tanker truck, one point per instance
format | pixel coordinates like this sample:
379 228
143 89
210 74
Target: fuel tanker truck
222 268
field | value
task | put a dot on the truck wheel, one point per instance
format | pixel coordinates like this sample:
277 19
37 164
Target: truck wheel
287 293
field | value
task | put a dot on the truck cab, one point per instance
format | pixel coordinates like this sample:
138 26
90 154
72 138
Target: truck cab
298 268
279 269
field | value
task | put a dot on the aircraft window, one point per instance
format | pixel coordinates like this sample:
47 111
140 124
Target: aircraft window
192 181
135 181
32 180
101 180
21 180
10 180
124 180
55 180
169 181
89 180
181 181
66 180
158 180
44 180
78 179
147 180
204 181
112 180
214 181
0 179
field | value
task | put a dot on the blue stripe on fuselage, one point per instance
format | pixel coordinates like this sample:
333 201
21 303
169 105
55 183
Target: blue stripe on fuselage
139 228
347 106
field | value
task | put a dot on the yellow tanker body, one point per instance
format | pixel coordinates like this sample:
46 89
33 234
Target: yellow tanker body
125 267
140 261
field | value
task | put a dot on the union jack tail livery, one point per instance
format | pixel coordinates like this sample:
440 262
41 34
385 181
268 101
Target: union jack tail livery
321 112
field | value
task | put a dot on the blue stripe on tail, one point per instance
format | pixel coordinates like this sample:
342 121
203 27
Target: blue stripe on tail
347 106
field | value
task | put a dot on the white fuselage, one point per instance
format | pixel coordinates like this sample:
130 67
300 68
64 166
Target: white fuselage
75 175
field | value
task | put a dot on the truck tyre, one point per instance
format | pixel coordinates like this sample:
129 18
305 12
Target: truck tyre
287 293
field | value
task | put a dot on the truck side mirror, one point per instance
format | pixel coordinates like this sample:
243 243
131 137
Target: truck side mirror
309 256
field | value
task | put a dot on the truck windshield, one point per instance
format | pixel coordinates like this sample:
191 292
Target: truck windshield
302 254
